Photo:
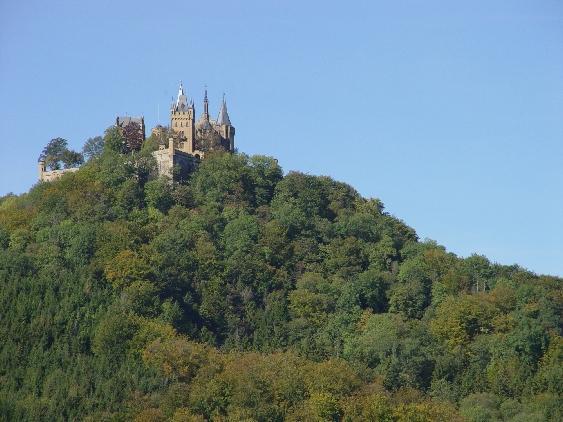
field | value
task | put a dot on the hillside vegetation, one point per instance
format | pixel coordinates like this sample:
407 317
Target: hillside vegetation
242 293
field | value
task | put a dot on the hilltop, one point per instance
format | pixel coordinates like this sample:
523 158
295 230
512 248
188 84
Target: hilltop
242 293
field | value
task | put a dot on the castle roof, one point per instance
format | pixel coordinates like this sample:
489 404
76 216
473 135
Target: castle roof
125 120
223 118
203 122
182 100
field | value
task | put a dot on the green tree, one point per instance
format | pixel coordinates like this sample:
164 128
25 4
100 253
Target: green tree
113 334
158 194
459 320
93 147
56 155
266 174
372 286
114 140
126 268
481 407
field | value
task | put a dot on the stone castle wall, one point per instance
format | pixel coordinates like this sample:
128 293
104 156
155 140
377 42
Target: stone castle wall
49 176
169 160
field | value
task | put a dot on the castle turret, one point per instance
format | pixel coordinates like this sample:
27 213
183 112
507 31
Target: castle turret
227 130
223 118
41 167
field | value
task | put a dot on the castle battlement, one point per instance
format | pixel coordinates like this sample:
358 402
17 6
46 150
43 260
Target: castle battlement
50 175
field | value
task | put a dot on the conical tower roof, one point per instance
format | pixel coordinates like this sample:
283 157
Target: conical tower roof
182 101
223 118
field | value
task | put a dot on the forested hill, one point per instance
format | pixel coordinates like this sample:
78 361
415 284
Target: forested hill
243 294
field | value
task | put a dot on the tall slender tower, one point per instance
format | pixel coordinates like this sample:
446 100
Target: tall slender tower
205 105
203 122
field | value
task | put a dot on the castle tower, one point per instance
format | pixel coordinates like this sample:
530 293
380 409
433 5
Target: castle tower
182 116
41 167
227 131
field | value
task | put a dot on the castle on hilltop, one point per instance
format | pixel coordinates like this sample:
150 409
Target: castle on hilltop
189 139
204 135
181 145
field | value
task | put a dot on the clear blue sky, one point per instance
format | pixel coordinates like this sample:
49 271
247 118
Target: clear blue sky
450 112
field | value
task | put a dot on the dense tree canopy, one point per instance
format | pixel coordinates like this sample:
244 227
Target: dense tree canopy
246 294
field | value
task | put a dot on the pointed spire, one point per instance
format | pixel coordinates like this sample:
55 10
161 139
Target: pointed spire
205 104
181 102
223 118
203 122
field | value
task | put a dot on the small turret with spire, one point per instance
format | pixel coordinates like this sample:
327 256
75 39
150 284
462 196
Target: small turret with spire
224 123
223 118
